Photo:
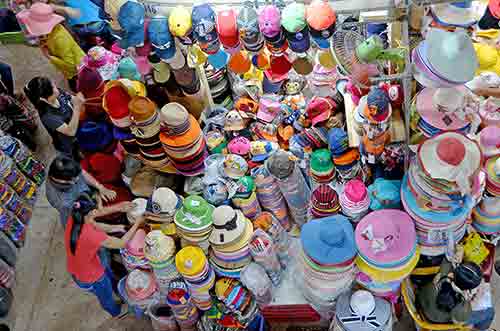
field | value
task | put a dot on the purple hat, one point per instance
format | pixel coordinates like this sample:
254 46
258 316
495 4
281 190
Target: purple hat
299 42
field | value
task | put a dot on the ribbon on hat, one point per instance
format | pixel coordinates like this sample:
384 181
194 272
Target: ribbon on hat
377 244
228 226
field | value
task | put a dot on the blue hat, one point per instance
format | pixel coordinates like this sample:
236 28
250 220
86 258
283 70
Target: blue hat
385 193
131 19
338 141
329 240
299 42
122 133
160 37
204 28
94 136
89 12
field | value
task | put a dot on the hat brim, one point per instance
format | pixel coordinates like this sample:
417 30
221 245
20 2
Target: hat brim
242 242
448 14
184 139
386 275
223 236
39 29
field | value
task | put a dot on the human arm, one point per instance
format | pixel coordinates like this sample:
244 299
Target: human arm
67 11
71 128
118 243
488 92
116 208
104 193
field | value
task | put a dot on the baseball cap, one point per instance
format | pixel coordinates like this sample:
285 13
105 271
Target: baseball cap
131 19
293 17
248 27
179 21
160 37
270 21
299 42
320 109
321 19
227 28
204 31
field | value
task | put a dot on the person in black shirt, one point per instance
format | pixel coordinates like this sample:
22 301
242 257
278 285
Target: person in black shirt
59 113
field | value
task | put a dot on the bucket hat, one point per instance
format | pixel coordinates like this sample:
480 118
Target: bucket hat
135 246
385 193
319 109
321 162
160 37
239 145
489 141
104 61
321 19
131 18
179 21
261 150
234 166
190 261
228 224
195 214
127 68
329 240
163 204
39 19
227 28
138 211
140 285
269 108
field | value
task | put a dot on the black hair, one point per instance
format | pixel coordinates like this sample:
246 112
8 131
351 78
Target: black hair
64 168
38 88
4 327
83 205
467 276
447 298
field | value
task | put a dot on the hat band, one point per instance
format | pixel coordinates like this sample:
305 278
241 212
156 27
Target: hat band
230 225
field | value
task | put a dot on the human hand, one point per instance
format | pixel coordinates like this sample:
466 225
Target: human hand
107 195
119 228
126 206
78 100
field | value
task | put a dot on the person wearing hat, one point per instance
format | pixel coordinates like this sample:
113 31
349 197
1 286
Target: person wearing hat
56 43
84 238
66 182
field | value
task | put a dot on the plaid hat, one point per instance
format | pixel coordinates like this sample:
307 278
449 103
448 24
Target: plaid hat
321 19
270 21
227 28
204 28
131 19
159 35
248 27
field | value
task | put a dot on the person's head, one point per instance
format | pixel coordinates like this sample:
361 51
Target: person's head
41 89
447 297
81 208
64 170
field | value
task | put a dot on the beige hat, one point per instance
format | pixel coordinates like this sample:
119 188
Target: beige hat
138 211
158 247
173 114
228 225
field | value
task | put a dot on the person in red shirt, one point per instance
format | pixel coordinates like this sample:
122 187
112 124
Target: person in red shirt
84 237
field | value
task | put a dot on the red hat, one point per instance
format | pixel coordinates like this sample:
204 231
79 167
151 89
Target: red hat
320 109
116 100
105 168
227 28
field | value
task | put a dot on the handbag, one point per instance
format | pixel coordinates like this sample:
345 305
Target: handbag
474 249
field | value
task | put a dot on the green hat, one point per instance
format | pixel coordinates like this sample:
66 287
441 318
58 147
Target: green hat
195 214
321 161
246 186
293 17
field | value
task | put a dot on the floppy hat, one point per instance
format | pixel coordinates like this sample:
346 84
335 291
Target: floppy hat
234 166
104 61
321 19
228 224
489 141
131 18
195 214
450 156
163 204
227 28
319 109
269 108
329 240
270 21
159 35
39 19
458 14
115 102
385 193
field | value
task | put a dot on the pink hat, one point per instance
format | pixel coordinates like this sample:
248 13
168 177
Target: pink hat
386 236
143 65
494 7
140 285
116 49
355 190
239 145
270 21
136 245
427 107
103 60
39 19
268 109
489 140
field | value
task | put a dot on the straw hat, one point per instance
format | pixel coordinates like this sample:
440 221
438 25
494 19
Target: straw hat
228 225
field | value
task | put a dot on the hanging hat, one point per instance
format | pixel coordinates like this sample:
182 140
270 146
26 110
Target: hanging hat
39 19
131 18
179 21
450 156
204 28
127 69
228 224
161 70
190 261
329 240
321 19
270 21
248 27
195 214
385 193
239 145
227 28
94 136
104 61
293 17
459 14
319 109
489 141
159 35
269 108
235 166
163 204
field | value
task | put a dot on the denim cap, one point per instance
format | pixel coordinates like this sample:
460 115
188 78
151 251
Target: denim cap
89 12
131 19
203 21
299 42
160 37
248 27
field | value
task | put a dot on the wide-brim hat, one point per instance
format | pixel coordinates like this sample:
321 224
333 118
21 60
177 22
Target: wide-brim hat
184 139
234 166
39 19
116 99
158 247
195 215
450 156
385 193
450 14
241 241
329 240
140 285
104 61
190 260
228 225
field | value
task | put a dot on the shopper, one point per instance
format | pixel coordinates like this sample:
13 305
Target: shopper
66 182
84 237
59 113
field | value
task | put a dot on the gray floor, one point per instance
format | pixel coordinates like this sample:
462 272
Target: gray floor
45 297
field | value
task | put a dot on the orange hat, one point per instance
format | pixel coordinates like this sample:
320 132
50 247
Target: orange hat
141 109
184 139
347 158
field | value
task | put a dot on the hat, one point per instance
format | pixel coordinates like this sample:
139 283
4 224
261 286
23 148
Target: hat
321 19
91 84
328 240
235 166
161 71
174 119
386 237
94 136
270 21
377 105
385 193
467 276
458 14
246 186
228 224
355 190
247 105
39 19
227 28
319 109
131 19
248 27
112 8
234 121
195 214
489 141
204 28
299 42
135 246
190 261
239 145
293 17
127 69
89 12
451 55
269 108
179 21
280 164
324 199
450 156
158 247
103 60
321 162
491 17
138 211
105 168
184 139
115 103
141 109
488 58
261 150
159 35
140 285
164 203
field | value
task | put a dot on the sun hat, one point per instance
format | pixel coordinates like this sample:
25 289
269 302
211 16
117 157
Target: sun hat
362 310
140 285
228 225
234 121
39 19
489 141
328 240
159 35
158 247
280 164
270 21
163 204
142 109
131 18
241 242
248 27
458 14
190 260
239 145
227 28
384 194
386 237
103 60
234 166
321 19
195 214
319 109
187 138
261 150
269 108
174 119
138 211
450 156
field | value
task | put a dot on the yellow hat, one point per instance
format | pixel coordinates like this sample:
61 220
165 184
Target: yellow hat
488 58
179 21
488 34
190 261
388 275
222 285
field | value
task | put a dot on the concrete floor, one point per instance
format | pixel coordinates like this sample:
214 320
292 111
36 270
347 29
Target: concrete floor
45 297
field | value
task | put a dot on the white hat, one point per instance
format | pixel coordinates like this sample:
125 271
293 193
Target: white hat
138 211
228 225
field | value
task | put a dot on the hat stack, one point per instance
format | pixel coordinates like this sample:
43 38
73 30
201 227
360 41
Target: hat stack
159 250
355 200
11 175
141 289
326 260
182 140
13 227
486 215
229 239
194 222
361 311
162 206
345 159
115 102
13 203
384 194
218 82
245 198
324 201
127 140
133 253
433 189
322 169
387 251
179 299
236 298
267 222
192 263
